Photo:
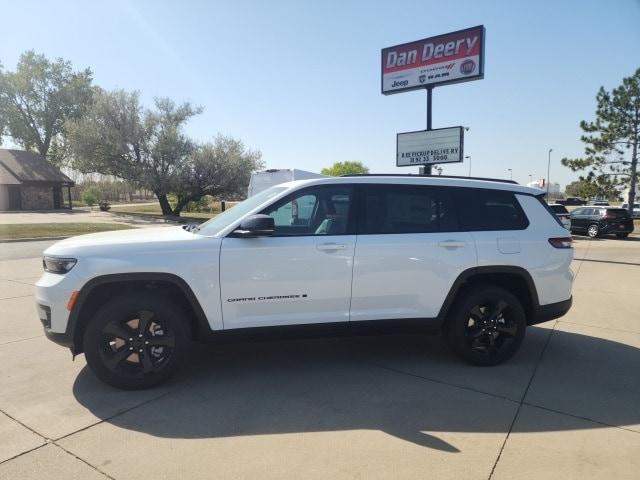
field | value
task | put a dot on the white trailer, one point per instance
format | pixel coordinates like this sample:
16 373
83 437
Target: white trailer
268 178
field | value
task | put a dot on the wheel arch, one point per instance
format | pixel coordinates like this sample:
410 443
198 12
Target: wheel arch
514 279
97 291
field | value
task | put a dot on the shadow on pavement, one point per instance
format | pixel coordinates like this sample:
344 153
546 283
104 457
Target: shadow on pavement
346 384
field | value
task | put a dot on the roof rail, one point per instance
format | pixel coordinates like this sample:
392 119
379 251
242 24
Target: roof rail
501 180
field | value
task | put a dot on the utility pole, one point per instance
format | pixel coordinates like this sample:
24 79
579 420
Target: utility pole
510 173
549 171
427 168
469 157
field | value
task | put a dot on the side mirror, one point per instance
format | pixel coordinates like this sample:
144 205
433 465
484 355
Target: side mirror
256 226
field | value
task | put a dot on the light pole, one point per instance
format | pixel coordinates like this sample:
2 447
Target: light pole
548 171
530 178
510 173
469 157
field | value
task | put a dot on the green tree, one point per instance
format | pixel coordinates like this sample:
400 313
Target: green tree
117 136
219 168
592 187
90 196
38 98
344 168
611 151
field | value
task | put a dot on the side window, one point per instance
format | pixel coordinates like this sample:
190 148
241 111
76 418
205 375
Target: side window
579 211
490 210
407 209
313 211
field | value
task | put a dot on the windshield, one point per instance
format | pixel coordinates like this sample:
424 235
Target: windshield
226 218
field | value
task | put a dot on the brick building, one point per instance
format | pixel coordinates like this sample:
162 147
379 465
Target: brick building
29 182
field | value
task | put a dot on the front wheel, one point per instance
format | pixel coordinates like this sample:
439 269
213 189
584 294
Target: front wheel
593 231
136 341
486 327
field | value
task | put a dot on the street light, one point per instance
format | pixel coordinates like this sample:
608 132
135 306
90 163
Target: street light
548 171
510 173
469 157
530 178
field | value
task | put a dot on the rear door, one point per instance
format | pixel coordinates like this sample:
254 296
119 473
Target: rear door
579 218
409 252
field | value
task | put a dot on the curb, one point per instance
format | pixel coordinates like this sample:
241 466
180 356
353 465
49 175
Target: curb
36 239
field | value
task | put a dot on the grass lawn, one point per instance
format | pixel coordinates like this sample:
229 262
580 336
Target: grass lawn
154 211
35 230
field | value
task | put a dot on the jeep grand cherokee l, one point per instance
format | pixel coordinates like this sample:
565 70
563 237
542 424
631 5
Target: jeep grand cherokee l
478 259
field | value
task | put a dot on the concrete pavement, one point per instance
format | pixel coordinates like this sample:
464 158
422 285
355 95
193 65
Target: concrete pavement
377 407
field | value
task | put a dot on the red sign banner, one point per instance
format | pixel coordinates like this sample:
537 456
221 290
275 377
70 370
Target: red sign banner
450 58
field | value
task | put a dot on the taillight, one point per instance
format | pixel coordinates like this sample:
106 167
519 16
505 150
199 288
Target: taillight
561 242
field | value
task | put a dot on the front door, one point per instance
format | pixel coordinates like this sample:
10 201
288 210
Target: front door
301 274
15 198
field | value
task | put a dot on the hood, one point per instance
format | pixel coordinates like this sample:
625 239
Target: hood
131 240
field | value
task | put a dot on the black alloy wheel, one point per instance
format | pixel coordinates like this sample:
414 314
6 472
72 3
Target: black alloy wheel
138 345
487 326
136 341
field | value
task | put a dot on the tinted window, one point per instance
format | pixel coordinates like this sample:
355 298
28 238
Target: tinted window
617 213
481 209
558 209
407 209
313 211
578 211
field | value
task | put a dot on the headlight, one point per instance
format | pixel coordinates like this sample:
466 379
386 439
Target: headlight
57 264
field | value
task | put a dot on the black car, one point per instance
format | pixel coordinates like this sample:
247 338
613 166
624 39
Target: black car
595 221
572 201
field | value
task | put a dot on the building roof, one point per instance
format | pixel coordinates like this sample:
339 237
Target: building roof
30 167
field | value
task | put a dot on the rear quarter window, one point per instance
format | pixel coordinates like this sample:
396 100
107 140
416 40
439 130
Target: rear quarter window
617 213
488 210
558 209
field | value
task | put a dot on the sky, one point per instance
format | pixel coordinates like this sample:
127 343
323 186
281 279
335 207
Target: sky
300 80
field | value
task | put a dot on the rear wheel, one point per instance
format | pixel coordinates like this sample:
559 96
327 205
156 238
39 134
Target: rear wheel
593 231
487 326
622 235
137 341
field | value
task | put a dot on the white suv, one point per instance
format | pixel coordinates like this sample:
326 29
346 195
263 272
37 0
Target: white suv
479 259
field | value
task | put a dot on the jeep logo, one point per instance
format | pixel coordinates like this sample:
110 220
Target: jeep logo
402 83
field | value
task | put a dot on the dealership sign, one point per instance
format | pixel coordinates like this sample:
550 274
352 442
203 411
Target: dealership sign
426 147
449 58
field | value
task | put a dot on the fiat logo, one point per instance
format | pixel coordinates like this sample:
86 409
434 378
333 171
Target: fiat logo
467 67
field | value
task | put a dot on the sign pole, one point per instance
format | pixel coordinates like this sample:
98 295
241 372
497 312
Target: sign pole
427 168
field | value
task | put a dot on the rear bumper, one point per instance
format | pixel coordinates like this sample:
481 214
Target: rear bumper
551 311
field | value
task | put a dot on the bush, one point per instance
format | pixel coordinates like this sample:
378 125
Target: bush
90 196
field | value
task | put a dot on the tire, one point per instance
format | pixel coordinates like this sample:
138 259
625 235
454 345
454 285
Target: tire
122 355
593 231
622 235
486 326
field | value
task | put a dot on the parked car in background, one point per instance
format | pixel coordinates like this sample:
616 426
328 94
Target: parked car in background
562 213
571 201
599 203
636 209
595 221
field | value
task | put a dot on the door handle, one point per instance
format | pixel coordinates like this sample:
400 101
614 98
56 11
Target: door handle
451 244
331 246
